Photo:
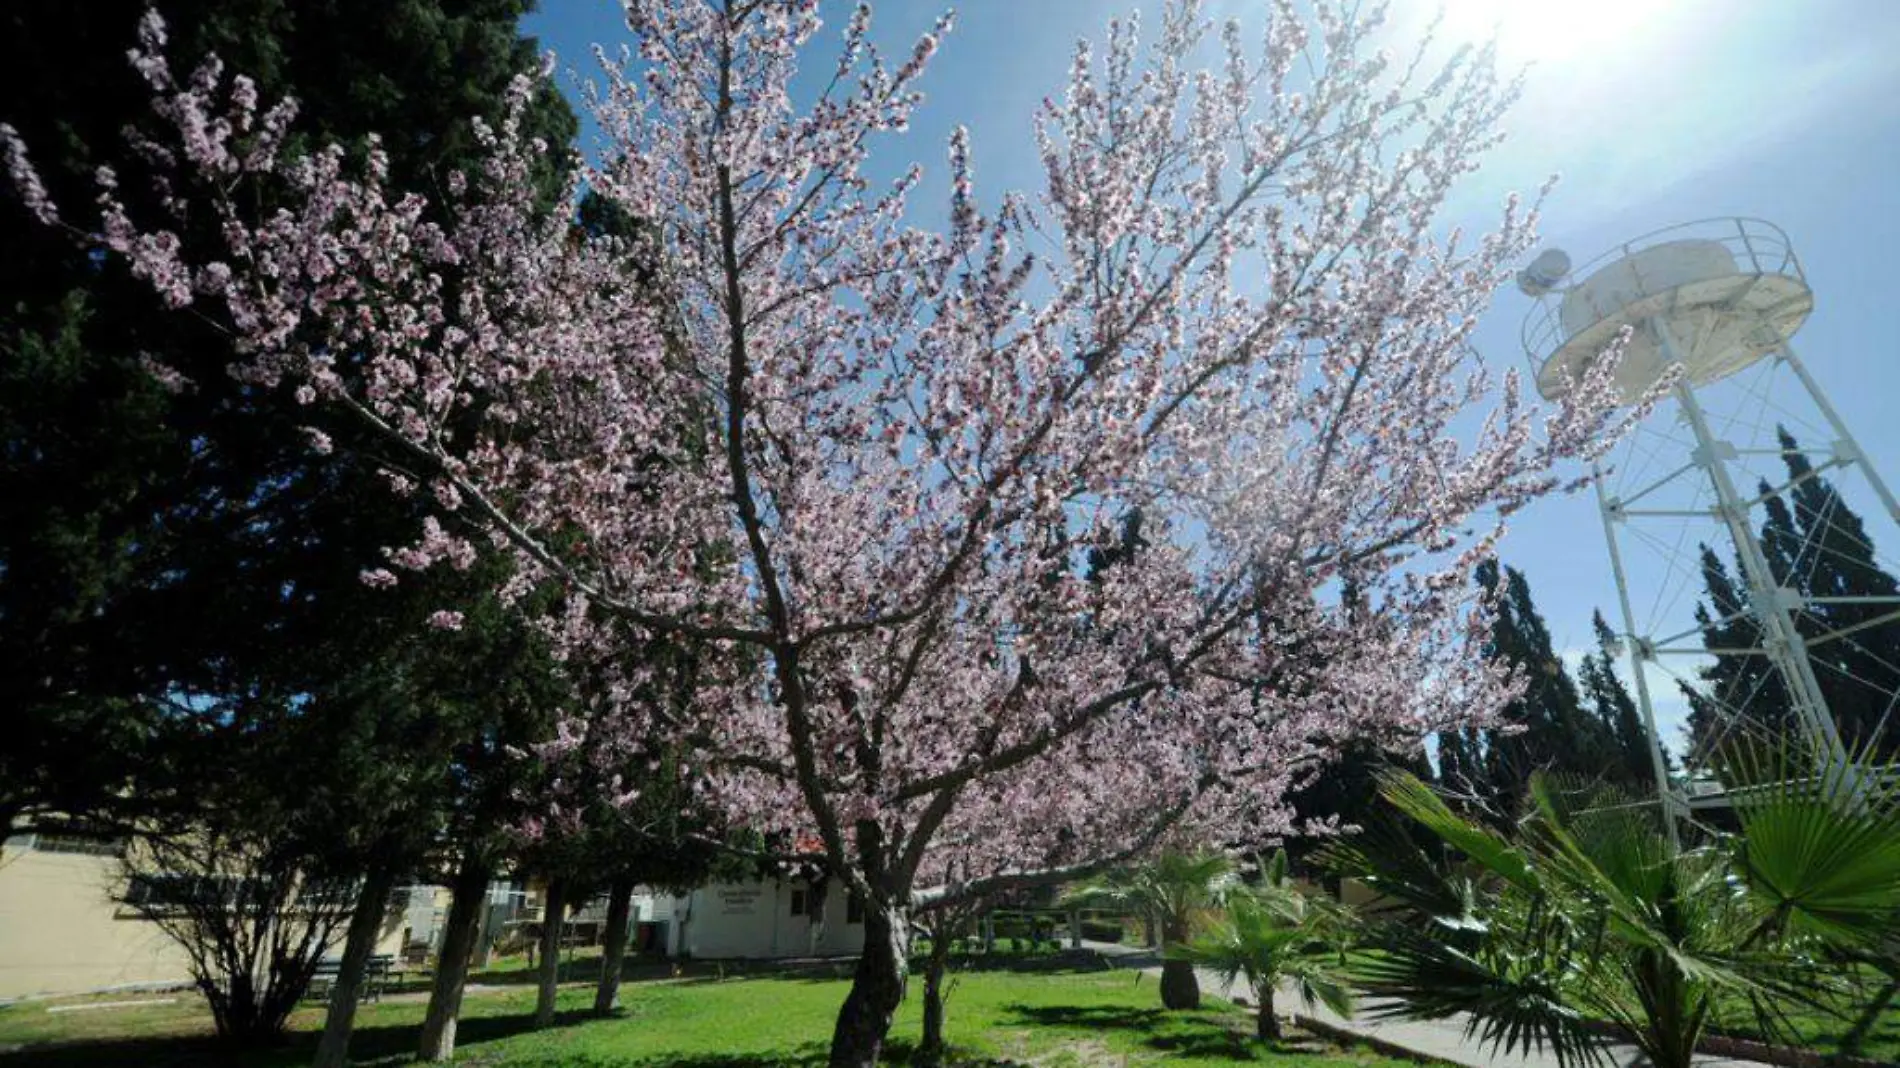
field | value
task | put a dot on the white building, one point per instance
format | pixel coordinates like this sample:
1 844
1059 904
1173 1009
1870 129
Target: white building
64 928
769 918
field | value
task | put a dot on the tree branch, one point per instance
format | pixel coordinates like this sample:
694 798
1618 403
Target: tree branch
941 897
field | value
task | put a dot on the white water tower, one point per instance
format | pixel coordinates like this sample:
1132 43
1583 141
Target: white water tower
1720 299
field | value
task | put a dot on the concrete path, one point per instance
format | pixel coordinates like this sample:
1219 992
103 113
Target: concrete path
1443 1040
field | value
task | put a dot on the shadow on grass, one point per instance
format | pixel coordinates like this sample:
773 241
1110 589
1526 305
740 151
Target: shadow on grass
1068 961
640 968
1180 1034
169 1052
647 969
390 1044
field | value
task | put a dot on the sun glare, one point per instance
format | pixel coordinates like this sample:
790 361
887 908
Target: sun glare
1554 31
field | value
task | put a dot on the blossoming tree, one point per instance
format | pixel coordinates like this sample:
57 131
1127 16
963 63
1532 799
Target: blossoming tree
863 464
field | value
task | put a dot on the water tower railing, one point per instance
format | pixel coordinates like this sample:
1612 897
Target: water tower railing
1759 247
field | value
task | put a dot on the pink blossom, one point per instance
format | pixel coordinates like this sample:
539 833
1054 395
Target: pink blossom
26 180
864 465
169 378
443 619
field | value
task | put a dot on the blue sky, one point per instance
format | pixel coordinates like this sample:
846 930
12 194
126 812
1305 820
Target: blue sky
1654 112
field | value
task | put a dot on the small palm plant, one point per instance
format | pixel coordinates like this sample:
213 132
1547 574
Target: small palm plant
1274 933
1594 915
1174 888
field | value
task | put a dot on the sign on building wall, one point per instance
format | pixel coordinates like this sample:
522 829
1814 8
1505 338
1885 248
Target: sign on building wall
739 901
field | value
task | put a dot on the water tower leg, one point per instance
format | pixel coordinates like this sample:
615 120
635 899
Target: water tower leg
1783 642
1673 807
1841 433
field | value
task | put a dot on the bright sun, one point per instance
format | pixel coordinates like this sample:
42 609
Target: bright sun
1553 31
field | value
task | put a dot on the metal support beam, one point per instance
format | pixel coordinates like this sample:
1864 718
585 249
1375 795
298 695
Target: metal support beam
1674 808
1783 642
1841 433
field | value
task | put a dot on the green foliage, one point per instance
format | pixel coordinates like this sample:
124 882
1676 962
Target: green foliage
1273 933
1589 913
1028 927
171 563
1549 728
1345 790
1174 887
1820 847
180 601
1631 762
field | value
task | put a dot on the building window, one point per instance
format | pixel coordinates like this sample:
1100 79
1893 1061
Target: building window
798 902
853 908
77 840
166 893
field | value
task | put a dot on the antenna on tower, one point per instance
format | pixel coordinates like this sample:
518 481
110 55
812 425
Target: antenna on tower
1545 273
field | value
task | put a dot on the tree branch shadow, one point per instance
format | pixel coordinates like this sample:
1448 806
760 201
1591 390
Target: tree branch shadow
1179 1034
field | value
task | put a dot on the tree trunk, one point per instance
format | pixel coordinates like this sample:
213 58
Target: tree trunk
451 967
613 956
1179 988
239 1018
483 953
930 1050
553 917
1266 1024
1148 928
1676 1013
877 988
334 1048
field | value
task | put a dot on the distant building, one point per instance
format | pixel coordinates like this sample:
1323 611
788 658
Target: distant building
65 927
761 920
62 929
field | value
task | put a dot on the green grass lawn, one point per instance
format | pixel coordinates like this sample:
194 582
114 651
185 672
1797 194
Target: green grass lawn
1051 1016
1817 1028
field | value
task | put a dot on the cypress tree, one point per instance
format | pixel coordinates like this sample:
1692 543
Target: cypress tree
156 543
160 544
1547 728
1615 710
1859 673
1816 545
1742 694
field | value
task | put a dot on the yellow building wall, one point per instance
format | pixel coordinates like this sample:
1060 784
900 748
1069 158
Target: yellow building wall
389 937
61 933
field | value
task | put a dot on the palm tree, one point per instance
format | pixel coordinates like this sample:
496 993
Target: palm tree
1885 963
1173 888
1593 915
1274 933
